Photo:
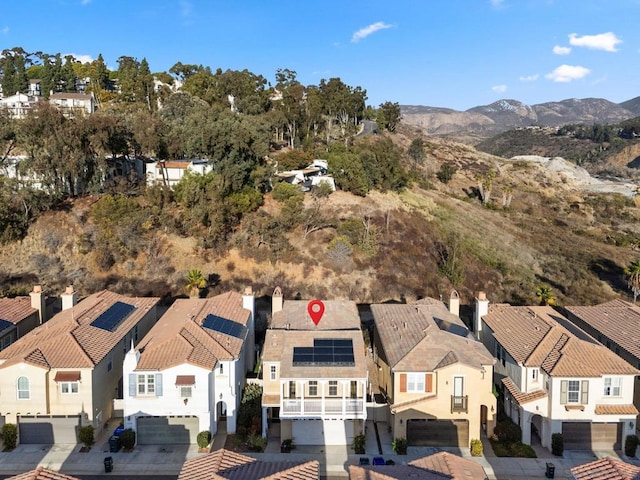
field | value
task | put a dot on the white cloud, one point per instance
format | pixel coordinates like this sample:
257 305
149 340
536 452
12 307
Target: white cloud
499 88
567 73
496 3
85 2
185 8
558 50
79 57
366 31
529 78
602 41
5 30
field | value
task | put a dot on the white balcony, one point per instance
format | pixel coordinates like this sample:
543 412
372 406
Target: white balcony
323 407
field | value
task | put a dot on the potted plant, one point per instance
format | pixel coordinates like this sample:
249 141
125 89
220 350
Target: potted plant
86 437
9 436
557 444
476 447
630 445
400 445
128 439
358 444
286 446
203 439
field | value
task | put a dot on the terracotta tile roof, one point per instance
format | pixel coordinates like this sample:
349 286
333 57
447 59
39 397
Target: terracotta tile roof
42 473
228 465
521 397
179 337
618 320
175 164
439 466
338 315
185 379
14 310
413 338
534 337
396 407
69 340
278 346
616 410
70 376
606 469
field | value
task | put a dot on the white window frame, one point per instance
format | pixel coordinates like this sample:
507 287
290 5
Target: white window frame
313 388
535 375
273 373
69 388
146 384
612 386
186 391
333 388
573 391
22 392
415 382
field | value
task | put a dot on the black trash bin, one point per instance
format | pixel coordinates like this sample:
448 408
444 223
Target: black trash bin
108 464
114 444
551 470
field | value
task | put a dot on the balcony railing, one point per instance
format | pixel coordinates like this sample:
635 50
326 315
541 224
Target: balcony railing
347 408
459 404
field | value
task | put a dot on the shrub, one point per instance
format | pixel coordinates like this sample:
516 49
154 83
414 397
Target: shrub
204 438
128 438
508 432
256 443
10 435
630 445
399 446
358 444
250 406
476 448
86 435
557 444
446 172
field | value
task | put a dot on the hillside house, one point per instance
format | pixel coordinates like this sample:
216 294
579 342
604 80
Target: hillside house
20 315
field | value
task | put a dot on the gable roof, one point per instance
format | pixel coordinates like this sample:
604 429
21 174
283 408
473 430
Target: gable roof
618 320
606 469
14 310
69 340
338 315
179 337
225 464
42 473
534 337
425 337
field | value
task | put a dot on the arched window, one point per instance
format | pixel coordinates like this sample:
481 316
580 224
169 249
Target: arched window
23 388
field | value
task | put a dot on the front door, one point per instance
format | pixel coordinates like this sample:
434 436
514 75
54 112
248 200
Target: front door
458 391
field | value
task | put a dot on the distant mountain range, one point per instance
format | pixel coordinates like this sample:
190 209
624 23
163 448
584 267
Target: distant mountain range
489 120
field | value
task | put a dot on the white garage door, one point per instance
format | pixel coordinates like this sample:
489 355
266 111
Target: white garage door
592 436
322 432
167 430
48 429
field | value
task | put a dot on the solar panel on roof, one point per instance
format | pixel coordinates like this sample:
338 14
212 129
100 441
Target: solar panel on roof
224 325
113 316
325 351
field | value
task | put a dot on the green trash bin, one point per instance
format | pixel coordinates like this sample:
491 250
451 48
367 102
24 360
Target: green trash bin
551 470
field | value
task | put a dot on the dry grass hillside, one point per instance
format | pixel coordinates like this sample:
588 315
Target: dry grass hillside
429 239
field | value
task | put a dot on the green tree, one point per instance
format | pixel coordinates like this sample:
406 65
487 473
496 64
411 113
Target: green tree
388 116
195 281
544 294
632 272
416 150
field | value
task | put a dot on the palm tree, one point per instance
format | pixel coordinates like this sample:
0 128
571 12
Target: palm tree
545 295
195 281
633 278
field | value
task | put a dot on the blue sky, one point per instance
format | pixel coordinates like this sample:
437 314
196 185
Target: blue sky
446 53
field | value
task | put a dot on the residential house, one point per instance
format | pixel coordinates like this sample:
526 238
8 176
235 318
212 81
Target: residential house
308 177
35 87
20 315
225 464
436 377
18 105
187 374
439 466
615 324
557 379
606 469
73 103
314 375
169 173
42 473
67 372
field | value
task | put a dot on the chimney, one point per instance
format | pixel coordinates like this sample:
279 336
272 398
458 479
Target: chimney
38 302
69 298
276 301
248 302
482 308
454 303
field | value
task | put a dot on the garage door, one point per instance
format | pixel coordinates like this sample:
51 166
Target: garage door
167 430
322 432
48 429
591 436
438 433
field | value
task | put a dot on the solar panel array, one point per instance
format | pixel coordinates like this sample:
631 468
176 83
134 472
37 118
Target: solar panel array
325 351
113 316
5 324
224 325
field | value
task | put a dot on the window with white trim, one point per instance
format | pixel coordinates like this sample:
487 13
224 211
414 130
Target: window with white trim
333 388
612 386
23 389
573 391
273 372
534 375
69 387
313 388
146 384
415 382
185 391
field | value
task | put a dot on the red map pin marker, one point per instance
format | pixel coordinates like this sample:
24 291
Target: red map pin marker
316 310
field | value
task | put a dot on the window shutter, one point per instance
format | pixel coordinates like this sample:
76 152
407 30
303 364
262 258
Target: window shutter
563 392
585 392
132 384
403 382
428 383
158 384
